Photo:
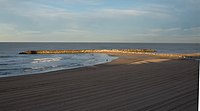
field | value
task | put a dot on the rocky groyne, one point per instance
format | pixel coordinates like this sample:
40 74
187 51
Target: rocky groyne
150 52
88 51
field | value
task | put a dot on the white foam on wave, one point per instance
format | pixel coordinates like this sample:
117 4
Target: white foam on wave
39 60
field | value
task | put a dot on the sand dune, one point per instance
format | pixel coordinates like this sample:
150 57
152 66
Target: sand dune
125 84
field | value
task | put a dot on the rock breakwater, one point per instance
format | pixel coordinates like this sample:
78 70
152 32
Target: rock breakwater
150 52
88 51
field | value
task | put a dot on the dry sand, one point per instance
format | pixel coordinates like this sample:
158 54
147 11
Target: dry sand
132 82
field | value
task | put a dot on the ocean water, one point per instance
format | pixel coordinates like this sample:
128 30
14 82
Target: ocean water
14 64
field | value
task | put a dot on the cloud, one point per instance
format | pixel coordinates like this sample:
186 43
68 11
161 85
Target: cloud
6 29
85 2
120 12
11 30
166 30
31 32
193 29
71 30
173 34
99 19
12 33
41 12
130 12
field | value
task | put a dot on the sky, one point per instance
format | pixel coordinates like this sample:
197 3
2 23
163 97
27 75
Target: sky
146 21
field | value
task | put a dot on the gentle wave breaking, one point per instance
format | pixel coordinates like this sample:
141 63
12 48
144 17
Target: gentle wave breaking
46 60
32 64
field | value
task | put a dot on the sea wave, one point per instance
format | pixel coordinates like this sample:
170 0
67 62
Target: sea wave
39 60
3 64
6 56
34 64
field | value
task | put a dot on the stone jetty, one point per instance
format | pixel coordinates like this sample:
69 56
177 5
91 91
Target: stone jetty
88 51
150 52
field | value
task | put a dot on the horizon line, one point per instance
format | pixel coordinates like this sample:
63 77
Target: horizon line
96 42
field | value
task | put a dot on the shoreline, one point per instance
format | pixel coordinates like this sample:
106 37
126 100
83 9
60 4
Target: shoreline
120 56
55 70
131 82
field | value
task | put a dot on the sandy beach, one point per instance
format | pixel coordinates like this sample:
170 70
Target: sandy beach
130 83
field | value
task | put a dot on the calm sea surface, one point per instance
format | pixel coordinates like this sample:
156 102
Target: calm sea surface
13 64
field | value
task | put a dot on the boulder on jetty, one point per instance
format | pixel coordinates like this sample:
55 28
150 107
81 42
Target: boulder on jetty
28 52
88 51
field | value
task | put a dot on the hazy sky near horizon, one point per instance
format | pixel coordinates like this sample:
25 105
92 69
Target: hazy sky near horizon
169 21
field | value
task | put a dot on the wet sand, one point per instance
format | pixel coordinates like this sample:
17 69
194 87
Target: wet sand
130 83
